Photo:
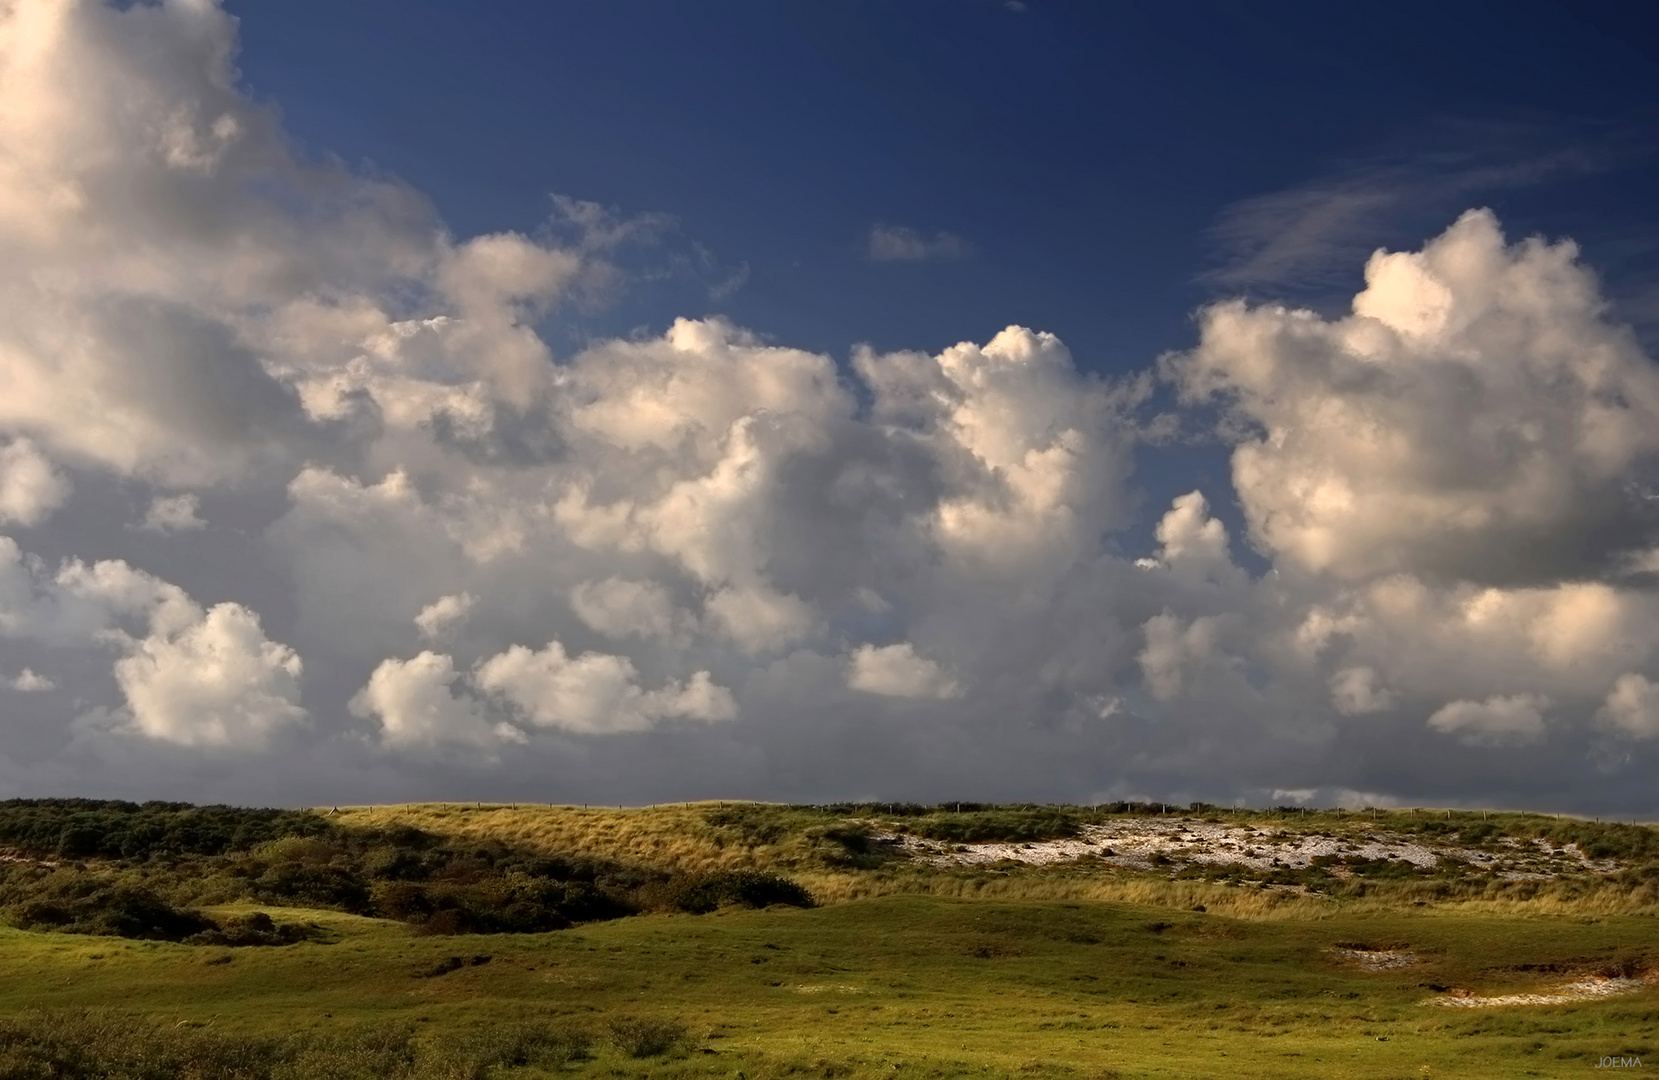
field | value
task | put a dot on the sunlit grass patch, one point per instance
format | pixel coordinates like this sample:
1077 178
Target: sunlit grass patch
1076 969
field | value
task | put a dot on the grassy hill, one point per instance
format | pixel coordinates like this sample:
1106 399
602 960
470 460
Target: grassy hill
931 950
1494 861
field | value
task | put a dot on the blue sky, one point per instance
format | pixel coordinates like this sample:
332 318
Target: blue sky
1109 168
1088 153
638 401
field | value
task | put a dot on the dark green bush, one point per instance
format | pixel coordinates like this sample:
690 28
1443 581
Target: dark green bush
1627 843
1478 833
87 904
179 855
703 893
339 887
256 928
497 903
1008 826
849 846
101 828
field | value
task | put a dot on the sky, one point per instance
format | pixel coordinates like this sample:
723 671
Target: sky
927 400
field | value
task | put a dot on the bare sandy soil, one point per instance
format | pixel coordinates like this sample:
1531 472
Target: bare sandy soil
1137 843
1379 959
1591 986
1584 987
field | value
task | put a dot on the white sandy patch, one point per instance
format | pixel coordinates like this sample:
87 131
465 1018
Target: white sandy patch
1379 959
1135 843
20 857
1593 986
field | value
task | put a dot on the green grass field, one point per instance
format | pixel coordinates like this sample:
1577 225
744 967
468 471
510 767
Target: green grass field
913 986
906 986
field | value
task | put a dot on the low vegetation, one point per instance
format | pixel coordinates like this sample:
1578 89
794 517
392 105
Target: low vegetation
103 1045
717 940
841 852
110 829
171 859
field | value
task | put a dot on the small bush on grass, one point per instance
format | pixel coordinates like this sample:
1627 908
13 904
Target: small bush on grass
256 928
849 847
528 1045
703 893
86 904
754 824
642 1038
1008 826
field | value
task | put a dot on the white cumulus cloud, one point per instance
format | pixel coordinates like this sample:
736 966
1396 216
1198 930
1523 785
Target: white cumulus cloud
174 514
1497 721
417 707
444 614
1447 542
29 681
620 607
759 619
188 676
1356 691
30 487
596 693
217 682
897 671
1476 417
1632 707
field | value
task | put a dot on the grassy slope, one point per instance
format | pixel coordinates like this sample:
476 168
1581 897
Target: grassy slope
909 985
787 839
938 987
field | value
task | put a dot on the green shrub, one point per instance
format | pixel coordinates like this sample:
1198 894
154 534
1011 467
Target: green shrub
87 828
702 893
99 1045
311 885
169 855
754 824
642 1038
256 928
537 1045
86 904
1008 826
497 903
849 846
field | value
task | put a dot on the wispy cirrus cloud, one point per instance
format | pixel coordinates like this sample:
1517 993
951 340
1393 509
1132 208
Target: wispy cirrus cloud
900 243
1311 236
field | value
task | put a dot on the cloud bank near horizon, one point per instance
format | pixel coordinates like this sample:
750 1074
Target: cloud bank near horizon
300 506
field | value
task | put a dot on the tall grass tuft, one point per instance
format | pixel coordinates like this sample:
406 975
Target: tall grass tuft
642 1038
101 1045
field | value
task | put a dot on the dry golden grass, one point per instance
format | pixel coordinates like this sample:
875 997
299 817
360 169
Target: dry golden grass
1245 903
674 836
680 836
1605 900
